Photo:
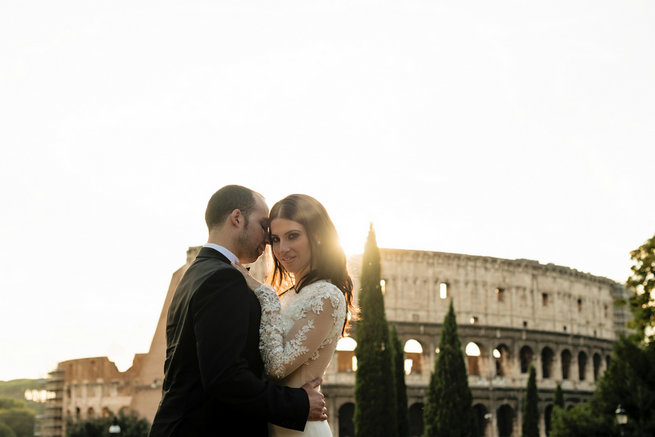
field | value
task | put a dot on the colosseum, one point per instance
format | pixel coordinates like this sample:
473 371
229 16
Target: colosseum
510 314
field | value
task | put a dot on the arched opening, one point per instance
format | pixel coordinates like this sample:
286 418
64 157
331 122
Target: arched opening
106 412
413 354
526 358
90 413
547 362
346 425
481 419
346 360
444 290
566 363
548 412
473 358
416 420
597 361
505 420
582 365
502 358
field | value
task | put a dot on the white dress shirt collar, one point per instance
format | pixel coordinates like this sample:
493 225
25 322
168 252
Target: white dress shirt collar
225 252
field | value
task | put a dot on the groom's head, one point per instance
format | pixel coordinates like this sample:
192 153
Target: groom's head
237 218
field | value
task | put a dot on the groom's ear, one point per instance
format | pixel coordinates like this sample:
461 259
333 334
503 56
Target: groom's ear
235 217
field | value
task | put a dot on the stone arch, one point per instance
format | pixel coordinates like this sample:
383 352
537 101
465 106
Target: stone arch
416 427
582 365
106 412
413 357
481 418
346 360
597 362
526 355
547 356
473 358
345 417
90 413
502 357
505 420
566 364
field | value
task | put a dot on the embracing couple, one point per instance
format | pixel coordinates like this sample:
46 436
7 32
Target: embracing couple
241 360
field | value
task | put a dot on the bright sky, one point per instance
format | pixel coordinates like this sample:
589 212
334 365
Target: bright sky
508 129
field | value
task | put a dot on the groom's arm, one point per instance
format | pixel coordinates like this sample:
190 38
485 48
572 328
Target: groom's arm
221 320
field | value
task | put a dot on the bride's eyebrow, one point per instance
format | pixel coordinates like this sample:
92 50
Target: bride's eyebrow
287 232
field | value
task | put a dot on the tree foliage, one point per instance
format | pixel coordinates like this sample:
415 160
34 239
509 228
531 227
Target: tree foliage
16 389
131 426
17 416
5 431
531 407
559 397
628 381
579 421
642 283
398 355
449 407
375 392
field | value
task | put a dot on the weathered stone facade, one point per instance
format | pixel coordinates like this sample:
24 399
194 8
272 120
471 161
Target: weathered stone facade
515 312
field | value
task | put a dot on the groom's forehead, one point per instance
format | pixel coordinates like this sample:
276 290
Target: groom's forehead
261 207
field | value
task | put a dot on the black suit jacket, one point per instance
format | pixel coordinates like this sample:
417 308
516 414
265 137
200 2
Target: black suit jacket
212 384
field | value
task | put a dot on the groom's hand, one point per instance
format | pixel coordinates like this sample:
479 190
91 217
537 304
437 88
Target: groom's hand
317 410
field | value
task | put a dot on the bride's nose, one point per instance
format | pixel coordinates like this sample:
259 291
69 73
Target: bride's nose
283 246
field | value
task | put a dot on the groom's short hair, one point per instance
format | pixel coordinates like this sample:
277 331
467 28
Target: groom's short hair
226 200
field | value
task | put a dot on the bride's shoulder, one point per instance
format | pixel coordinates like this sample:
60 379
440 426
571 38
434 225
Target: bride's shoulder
325 290
323 286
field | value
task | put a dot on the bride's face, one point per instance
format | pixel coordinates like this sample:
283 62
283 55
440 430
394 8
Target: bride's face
291 247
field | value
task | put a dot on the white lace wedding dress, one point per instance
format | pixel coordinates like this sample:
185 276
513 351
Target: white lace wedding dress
298 335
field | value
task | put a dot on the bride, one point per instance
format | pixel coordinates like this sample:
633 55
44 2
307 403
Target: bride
299 329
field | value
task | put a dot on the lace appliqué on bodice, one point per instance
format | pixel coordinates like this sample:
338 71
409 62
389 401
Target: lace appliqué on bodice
297 327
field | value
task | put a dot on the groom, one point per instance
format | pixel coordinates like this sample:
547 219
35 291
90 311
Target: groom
212 384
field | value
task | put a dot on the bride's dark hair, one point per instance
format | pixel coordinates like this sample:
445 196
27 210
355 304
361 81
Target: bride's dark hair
328 260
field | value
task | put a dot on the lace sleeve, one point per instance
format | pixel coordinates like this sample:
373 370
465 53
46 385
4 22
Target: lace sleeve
314 322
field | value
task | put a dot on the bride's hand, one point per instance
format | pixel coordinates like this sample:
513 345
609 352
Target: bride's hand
253 283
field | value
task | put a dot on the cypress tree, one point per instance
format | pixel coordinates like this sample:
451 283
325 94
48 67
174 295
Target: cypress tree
559 397
401 389
449 408
531 407
375 393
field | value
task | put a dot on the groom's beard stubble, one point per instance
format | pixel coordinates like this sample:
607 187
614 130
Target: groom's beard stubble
250 248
